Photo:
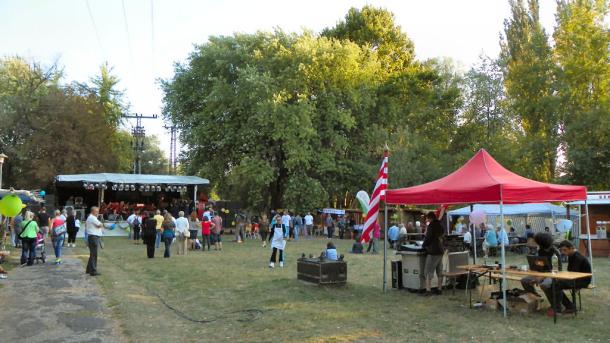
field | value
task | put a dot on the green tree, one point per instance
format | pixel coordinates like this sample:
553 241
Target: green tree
109 97
581 50
278 104
529 72
45 125
484 120
375 29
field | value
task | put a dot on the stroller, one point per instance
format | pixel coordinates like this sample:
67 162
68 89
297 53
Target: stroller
40 249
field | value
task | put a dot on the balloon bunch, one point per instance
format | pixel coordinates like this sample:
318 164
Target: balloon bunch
11 205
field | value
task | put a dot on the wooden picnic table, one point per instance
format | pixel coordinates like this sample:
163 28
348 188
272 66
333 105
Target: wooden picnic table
560 275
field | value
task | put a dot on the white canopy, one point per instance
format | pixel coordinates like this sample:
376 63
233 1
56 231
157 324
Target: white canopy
141 179
513 210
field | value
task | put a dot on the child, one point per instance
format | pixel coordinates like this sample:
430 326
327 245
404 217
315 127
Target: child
255 230
357 248
278 242
76 227
331 252
249 231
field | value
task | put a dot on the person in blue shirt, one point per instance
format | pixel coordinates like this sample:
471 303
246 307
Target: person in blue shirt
502 236
491 240
331 252
393 233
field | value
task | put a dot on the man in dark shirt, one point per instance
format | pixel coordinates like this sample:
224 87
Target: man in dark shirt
435 249
43 221
576 263
545 249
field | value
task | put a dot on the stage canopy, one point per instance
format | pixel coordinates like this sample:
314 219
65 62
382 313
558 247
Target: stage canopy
483 180
512 210
140 179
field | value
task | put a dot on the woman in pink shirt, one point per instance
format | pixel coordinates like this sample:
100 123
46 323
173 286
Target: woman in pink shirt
375 240
58 234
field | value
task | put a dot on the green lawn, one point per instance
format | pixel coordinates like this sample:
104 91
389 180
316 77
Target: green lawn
247 301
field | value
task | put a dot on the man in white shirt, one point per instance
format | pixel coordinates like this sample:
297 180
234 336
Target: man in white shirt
94 232
182 226
308 224
467 238
130 221
287 222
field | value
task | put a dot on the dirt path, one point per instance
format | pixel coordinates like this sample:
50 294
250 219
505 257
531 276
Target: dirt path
49 303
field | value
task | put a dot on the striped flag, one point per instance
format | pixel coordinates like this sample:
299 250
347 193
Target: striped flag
376 198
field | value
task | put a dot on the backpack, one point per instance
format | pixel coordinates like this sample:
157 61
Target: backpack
59 230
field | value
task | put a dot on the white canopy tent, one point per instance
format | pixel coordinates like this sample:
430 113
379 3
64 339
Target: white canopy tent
512 210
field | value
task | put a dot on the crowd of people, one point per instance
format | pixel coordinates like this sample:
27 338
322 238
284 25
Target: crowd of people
29 230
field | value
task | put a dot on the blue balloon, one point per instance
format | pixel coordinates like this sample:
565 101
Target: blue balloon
42 193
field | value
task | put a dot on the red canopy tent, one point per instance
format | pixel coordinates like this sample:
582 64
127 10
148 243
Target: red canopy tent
483 180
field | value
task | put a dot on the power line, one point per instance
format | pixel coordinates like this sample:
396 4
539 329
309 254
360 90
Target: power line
152 36
138 133
173 156
127 33
97 34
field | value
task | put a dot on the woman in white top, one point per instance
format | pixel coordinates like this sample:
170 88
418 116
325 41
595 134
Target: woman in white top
278 241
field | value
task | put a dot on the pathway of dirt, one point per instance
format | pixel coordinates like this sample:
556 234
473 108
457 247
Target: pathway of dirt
55 303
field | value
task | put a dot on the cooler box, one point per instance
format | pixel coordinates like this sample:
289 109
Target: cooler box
413 263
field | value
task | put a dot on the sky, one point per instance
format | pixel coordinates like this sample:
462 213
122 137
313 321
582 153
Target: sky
143 39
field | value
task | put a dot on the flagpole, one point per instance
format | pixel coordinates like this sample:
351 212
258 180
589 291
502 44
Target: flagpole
385 224
385 246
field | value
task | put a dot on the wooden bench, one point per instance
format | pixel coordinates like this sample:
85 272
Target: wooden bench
453 276
497 276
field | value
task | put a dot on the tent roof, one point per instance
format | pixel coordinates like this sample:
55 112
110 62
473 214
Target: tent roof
483 180
512 210
133 178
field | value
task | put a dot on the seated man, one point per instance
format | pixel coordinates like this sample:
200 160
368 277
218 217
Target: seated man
491 240
545 249
576 263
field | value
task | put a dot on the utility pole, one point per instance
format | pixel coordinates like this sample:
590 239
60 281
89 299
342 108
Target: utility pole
173 157
138 134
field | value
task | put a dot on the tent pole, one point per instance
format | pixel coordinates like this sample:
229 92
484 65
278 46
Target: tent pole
589 243
473 234
385 246
504 283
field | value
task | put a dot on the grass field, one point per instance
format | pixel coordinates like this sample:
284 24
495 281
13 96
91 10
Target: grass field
245 301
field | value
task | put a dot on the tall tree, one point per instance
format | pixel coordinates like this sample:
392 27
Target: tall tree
44 125
484 121
376 30
582 39
105 86
530 88
265 111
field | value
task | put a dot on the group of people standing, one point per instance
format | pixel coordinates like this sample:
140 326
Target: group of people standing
154 228
29 229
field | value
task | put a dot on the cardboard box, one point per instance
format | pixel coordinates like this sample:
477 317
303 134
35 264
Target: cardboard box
526 303
491 304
